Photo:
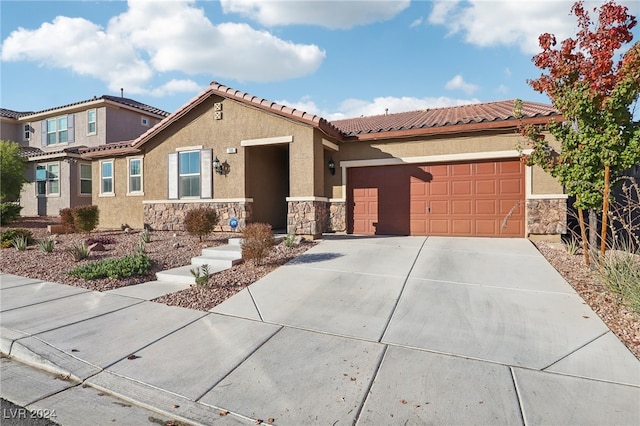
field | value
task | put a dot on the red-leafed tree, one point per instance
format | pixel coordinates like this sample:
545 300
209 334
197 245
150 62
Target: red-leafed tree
595 85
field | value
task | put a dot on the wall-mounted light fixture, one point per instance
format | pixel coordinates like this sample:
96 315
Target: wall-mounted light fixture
332 166
221 168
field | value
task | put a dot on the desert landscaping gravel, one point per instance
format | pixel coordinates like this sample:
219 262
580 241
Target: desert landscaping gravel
172 249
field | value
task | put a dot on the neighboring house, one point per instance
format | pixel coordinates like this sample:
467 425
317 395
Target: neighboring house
51 141
443 171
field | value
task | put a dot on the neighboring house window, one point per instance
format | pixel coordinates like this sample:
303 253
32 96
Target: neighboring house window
144 121
27 132
91 122
190 174
106 177
85 179
135 176
57 130
48 179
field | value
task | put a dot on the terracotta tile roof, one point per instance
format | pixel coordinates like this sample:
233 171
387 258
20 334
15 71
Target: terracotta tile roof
31 152
109 149
283 110
473 114
120 100
7 113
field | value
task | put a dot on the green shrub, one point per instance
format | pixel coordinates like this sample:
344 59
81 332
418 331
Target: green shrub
620 272
257 239
290 240
66 219
46 244
85 218
201 274
9 212
145 235
200 221
127 266
140 247
8 236
79 250
20 243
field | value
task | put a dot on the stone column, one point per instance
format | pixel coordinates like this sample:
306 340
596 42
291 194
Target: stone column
547 216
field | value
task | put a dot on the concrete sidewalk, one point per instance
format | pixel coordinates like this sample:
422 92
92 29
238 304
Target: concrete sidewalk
371 330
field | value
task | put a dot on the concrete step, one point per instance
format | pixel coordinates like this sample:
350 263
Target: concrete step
214 262
183 275
229 252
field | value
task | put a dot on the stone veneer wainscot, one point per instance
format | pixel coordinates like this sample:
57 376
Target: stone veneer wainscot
169 215
547 216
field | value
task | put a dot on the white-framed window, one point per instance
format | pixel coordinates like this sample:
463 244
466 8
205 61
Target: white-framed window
144 121
92 128
106 178
84 174
189 174
57 130
48 179
27 132
135 176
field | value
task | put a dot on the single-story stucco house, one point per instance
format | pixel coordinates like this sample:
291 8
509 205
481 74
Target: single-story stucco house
443 171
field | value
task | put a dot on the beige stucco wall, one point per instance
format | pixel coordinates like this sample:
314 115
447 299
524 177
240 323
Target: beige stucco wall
10 130
118 209
199 128
238 123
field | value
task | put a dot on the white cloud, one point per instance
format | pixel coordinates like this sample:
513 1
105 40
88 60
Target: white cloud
350 108
507 72
509 22
416 22
329 13
502 89
458 83
176 86
152 37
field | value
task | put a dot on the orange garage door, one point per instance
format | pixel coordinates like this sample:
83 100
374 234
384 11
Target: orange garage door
484 198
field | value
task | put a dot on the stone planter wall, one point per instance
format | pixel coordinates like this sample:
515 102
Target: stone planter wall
547 217
307 217
170 216
337 217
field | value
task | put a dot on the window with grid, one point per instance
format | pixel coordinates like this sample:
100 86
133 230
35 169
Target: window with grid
189 173
106 177
91 122
48 179
135 175
85 179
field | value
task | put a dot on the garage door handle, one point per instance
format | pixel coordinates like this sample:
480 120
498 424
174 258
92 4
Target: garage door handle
428 209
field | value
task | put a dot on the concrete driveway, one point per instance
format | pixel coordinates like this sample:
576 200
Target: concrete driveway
372 330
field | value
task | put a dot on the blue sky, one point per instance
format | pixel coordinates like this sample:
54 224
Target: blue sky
334 58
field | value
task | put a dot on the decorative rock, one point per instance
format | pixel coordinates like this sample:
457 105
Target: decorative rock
97 247
175 245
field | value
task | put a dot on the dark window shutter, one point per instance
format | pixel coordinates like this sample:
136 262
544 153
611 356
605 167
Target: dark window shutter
205 174
43 134
70 130
173 176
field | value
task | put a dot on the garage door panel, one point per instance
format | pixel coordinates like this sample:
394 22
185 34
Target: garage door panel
437 207
438 188
473 198
461 188
439 227
461 207
510 186
486 227
486 207
486 187
510 167
461 226
485 169
461 169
